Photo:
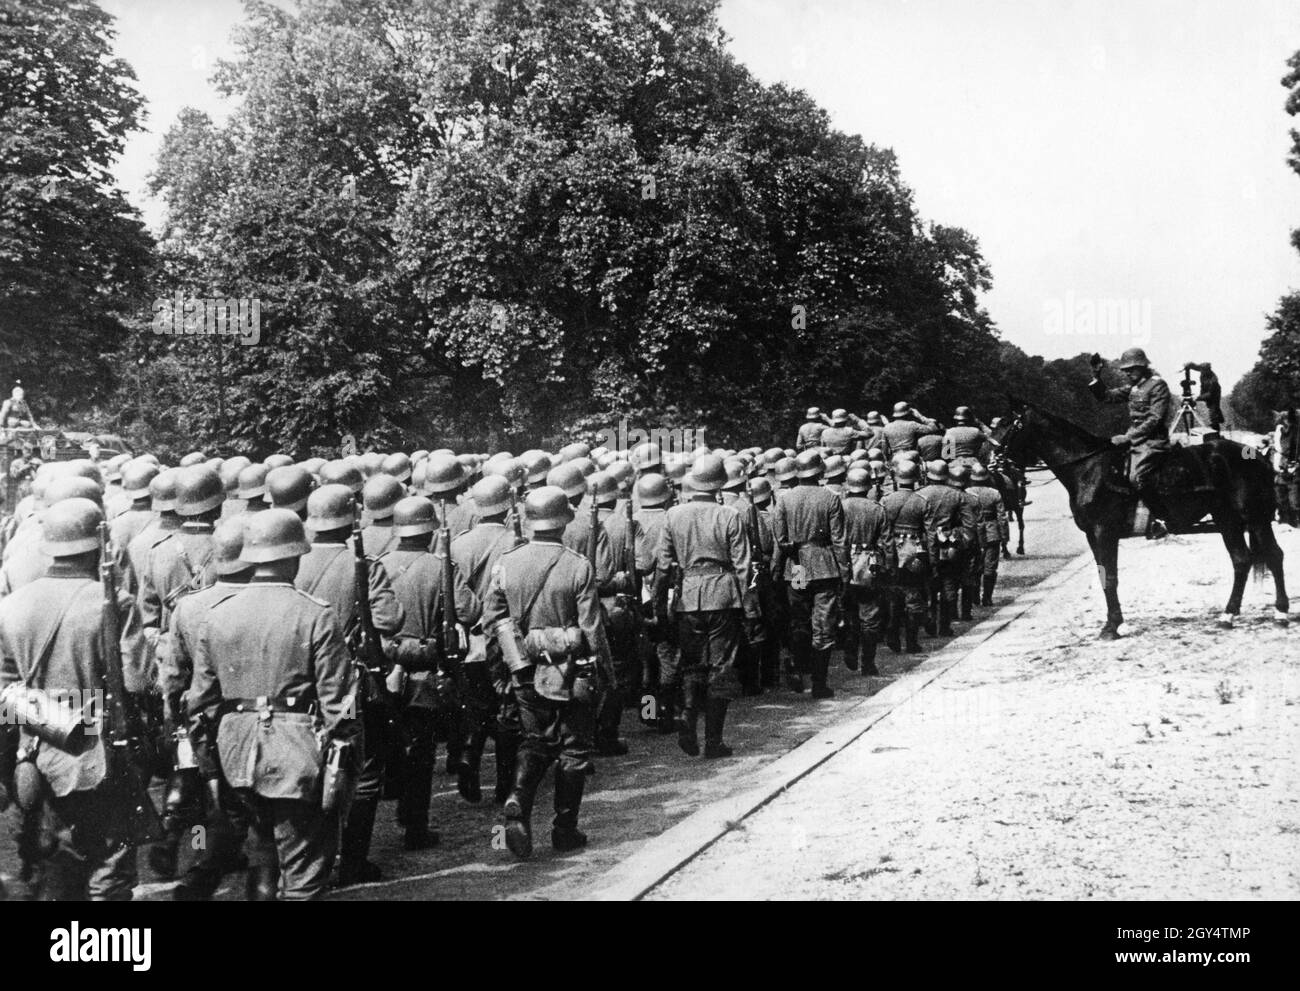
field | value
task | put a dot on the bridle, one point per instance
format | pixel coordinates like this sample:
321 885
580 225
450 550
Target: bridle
1018 425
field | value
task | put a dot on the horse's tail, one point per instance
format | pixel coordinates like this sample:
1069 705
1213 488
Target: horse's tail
1258 556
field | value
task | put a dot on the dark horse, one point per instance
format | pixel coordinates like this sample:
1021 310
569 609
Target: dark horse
1092 469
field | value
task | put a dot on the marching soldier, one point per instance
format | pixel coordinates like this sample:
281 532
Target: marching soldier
289 488
420 659
907 559
379 496
276 675
548 593
705 542
810 434
835 472
905 428
128 524
972 554
488 706
844 431
328 571
948 518
991 517
967 441
29 561
229 472
660 676
809 525
227 822
616 607
864 548
445 482
252 488
771 600
162 498
51 641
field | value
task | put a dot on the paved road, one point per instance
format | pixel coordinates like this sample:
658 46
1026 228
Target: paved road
636 798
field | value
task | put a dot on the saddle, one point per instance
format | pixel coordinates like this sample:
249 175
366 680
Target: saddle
1178 472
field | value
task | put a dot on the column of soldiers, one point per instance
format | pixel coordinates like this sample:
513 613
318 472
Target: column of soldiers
296 638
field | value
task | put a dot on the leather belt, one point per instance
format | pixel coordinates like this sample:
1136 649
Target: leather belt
706 568
264 704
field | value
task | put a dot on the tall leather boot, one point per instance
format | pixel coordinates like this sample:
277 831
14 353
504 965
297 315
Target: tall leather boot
913 631
519 806
945 616
987 598
868 660
468 781
893 627
263 882
666 710
715 717
565 835
770 663
821 661
852 647
354 847
967 601
609 715
800 661
688 733
507 753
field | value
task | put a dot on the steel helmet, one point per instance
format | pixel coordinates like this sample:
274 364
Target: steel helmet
398 465
735 469
492 494
229 472
839 417
936 470
624 474
652 489
958 476
786 469
814 413
1134 358
442 474
276 534
252 482
907 474
979 475
313 465
536 464
274 461
331 507
342 472
136 478
858 480
228 546
414 516
708 473
835 467
585 465
70 526
760 491
603 488
567 477
198 491
113 467
809 464
511 469
289 487
901 409
963 414
162 490
380 494
647 457
547 509
874 419
193 458
74 487
370 463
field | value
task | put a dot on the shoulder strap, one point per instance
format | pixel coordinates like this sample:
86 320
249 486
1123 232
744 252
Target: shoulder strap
523 616
320 577
47 648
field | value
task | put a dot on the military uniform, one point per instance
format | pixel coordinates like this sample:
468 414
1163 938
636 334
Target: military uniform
544 584
809 525
809 436
1148 432
904 434
661 675
620 626
273 669
929 446
416 577
378 538
949 521
50 639
991 518
964 445
864 530
904 542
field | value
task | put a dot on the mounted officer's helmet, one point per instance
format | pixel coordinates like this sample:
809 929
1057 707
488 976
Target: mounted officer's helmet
859 480
331 507
652 489
809 464
492 494
380 494
547 508
198 490
414 516
276 534
1134 358
289 487
708 473
71 527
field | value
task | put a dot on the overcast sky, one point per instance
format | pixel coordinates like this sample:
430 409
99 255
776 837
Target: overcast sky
1119 158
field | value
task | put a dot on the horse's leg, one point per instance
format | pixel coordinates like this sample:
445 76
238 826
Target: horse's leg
1235 540
1105 551
1261 536
1020 522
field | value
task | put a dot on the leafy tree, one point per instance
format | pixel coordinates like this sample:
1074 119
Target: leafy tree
74 255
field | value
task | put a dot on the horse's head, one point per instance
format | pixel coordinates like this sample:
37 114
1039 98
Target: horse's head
1009 430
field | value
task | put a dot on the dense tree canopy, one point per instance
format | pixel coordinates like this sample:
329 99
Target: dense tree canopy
73 253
